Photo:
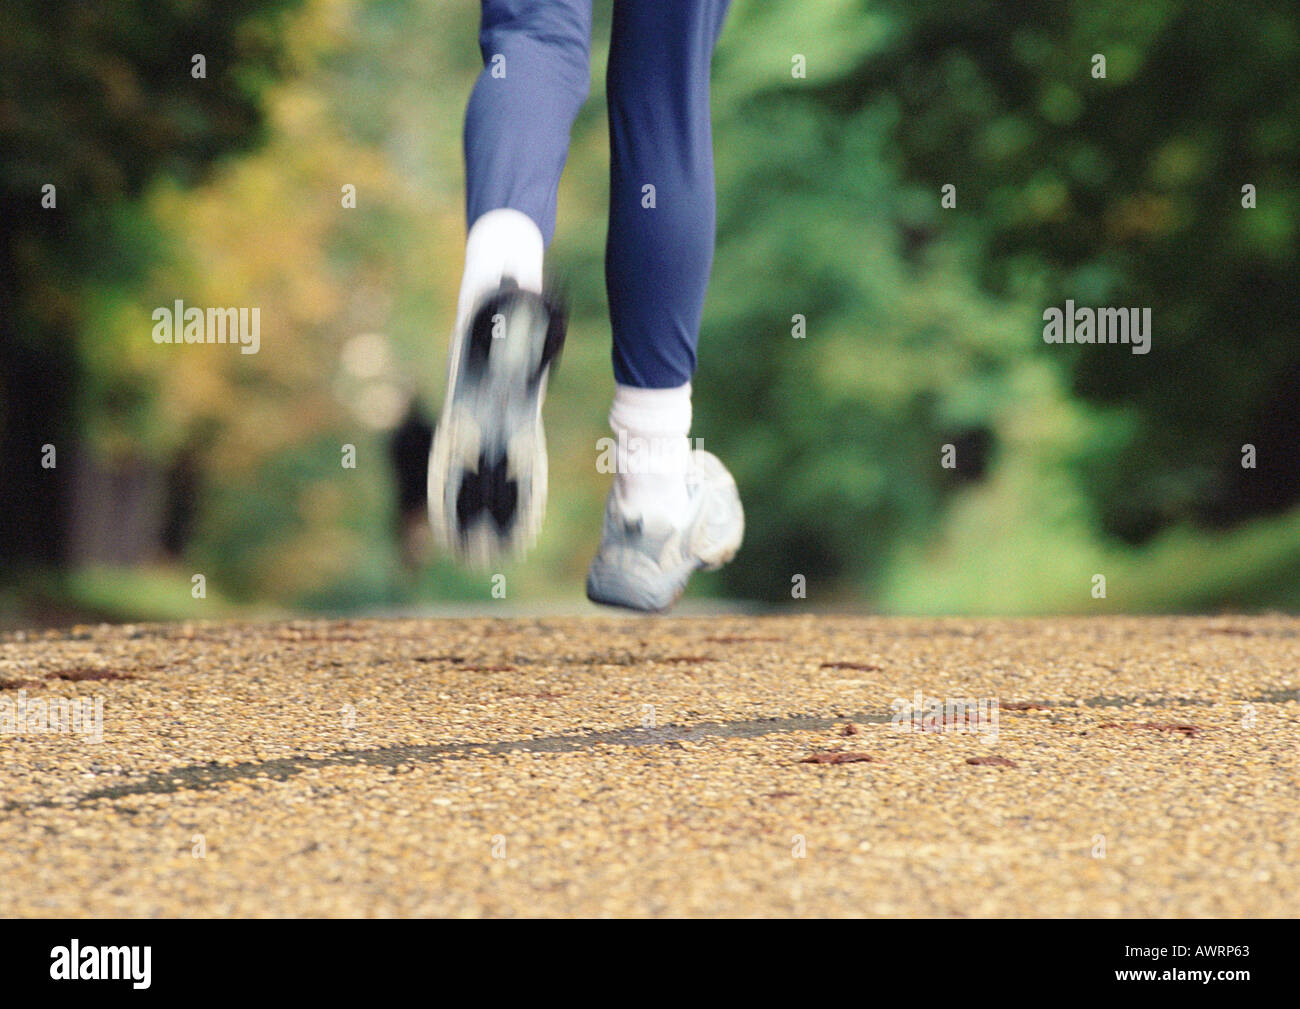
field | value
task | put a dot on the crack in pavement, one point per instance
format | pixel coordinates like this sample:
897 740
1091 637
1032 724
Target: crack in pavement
198 777
201 777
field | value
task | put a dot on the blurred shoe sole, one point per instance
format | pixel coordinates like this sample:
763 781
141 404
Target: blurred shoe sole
487 464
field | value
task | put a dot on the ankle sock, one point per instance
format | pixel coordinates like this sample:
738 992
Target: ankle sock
651 427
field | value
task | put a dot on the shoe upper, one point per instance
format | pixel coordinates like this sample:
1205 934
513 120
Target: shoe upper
644 564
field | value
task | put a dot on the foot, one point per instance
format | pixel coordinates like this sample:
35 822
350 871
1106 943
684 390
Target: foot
645 566
487 466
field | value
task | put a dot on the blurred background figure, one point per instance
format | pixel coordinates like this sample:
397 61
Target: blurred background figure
905 187
408 448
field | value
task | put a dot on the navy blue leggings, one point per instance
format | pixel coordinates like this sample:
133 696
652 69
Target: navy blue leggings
659 248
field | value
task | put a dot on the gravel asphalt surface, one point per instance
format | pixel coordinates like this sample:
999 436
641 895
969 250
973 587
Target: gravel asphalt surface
731 765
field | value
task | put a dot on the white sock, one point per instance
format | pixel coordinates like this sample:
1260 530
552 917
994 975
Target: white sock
651 427
502 243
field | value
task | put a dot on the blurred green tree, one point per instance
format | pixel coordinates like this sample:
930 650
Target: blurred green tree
1105 148
97 100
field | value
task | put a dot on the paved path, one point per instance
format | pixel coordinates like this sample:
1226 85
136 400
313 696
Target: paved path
655 767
